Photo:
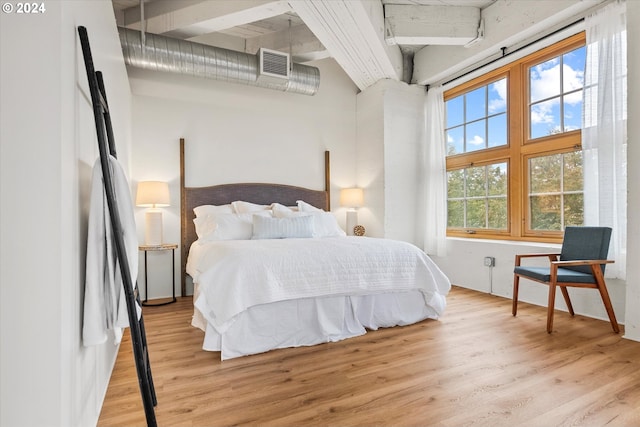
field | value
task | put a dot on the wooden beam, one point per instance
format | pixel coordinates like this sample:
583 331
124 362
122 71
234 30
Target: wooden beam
154 10
300 38
428 25
353 32
183 224
209 16
327 178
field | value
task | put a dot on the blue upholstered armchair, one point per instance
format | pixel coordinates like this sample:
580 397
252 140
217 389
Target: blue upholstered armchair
580 264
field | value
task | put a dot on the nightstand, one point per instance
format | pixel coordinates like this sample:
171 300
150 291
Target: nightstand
164 247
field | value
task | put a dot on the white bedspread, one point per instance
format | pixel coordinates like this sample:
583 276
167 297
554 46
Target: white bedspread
234 276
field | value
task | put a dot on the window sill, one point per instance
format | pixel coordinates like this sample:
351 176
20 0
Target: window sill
508 242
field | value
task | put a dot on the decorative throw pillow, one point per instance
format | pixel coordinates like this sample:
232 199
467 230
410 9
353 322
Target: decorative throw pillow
283 228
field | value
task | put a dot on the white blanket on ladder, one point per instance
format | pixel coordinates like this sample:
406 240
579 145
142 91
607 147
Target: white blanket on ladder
105 305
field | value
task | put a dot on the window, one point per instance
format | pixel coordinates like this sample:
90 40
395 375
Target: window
514 161
477 197
555 191
478 119
555 92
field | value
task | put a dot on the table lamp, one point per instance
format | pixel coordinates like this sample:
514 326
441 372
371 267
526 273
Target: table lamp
154 195
352 198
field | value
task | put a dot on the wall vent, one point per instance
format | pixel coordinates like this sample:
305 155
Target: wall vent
273 65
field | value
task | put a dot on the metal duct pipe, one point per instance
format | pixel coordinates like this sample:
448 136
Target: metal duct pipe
194 59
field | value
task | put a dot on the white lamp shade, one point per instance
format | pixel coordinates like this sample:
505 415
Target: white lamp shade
352 197
153 194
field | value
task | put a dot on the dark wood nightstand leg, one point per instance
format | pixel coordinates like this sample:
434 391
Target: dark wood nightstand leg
146 291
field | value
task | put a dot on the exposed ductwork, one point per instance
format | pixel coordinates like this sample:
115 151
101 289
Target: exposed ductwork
162 53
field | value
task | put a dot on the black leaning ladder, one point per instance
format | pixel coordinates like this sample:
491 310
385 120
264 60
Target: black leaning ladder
103 128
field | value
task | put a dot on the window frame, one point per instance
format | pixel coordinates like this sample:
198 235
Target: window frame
520 147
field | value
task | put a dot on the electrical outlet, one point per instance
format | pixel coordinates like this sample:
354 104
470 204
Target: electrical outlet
489 261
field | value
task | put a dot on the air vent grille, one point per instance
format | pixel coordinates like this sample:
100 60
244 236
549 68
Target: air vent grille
274 63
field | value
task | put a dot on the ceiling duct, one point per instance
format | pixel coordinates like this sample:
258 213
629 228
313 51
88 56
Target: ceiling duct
162 53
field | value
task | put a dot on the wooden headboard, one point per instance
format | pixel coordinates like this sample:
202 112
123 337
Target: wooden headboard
260 193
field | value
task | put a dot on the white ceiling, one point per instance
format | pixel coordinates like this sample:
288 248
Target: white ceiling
370 39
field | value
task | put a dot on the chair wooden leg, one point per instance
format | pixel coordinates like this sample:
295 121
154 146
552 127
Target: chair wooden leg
602 287
516 285
567 300
551 306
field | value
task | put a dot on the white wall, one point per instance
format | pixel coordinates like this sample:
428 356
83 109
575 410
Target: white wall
403 124
390 119
237 133
370 155
47 151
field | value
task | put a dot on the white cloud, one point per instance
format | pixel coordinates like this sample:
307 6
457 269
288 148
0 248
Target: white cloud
573 98
543 112
545 81
573 79
476 140
499 104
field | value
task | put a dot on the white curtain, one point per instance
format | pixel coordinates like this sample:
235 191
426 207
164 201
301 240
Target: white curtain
604 134
435 174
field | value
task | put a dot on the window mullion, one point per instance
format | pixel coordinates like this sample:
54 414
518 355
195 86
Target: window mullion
516 95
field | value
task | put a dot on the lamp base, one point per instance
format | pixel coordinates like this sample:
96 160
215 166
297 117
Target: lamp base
352 221
153 228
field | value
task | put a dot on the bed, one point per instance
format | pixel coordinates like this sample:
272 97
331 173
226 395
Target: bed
272 269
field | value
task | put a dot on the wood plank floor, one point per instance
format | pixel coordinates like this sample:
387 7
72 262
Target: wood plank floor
477 366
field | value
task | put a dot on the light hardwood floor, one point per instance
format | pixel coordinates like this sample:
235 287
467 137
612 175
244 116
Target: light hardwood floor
477 366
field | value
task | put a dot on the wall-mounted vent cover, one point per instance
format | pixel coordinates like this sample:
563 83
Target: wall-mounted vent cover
273 65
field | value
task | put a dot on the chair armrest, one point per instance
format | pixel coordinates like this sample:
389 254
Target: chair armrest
572 263
538 255
552 256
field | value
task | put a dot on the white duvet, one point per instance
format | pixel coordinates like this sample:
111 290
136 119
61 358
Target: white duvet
234 276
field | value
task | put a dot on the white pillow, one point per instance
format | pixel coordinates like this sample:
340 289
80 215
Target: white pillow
212 209
282 211
246 207
306 207
293 227
227 226
325 223
205 225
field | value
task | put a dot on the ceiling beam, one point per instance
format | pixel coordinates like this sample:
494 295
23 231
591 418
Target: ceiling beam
199 18
507 24
429 25
299 40
353 32
153 10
